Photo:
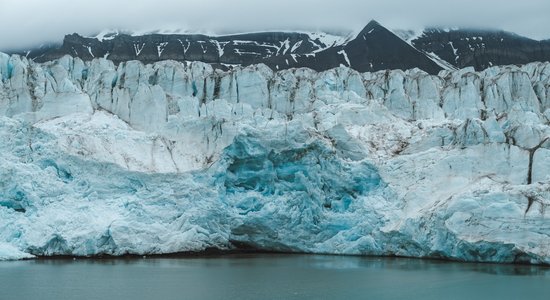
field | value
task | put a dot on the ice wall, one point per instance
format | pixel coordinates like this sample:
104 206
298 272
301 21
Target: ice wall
171 157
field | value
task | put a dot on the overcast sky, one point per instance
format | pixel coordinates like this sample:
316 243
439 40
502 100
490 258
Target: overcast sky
27 22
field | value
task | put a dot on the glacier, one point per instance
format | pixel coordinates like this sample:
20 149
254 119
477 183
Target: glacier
100 159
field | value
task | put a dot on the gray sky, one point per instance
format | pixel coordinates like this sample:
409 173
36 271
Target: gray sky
29 22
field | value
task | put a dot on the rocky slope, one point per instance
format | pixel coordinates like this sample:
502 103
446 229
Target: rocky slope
168 157
374 48
481 49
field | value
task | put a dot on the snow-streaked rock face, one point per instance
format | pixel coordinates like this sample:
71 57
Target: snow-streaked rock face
171 157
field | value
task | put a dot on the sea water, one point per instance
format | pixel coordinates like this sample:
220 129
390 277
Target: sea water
268 276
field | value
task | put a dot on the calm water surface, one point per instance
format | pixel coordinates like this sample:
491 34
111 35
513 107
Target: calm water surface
269 277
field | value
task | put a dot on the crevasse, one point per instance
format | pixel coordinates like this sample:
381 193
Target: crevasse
171 157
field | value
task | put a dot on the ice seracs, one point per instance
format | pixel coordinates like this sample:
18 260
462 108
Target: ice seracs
174 157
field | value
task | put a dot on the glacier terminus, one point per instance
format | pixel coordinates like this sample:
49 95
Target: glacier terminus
169 157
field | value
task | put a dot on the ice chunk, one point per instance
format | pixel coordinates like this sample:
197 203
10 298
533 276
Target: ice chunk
9 252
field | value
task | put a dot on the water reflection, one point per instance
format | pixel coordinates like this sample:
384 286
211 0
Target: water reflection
261 276
328 262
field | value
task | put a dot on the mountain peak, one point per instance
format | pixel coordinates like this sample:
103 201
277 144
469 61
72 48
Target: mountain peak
373 48
371 27
378 48
373 23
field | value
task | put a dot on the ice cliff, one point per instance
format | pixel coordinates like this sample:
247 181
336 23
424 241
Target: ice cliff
173 157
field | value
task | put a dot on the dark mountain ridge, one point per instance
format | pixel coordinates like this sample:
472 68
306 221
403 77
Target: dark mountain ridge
374 48
481 48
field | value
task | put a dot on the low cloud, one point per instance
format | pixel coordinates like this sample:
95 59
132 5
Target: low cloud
25 23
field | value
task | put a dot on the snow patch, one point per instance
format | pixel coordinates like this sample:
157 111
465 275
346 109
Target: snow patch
90 50
107 35
203 47
138 48
220 46
241 52
296 46
324 40
343 52
285 46
160 48
455 50
441 62
409 35
185 46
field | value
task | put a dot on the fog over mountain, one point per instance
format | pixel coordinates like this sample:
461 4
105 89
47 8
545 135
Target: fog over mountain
51 20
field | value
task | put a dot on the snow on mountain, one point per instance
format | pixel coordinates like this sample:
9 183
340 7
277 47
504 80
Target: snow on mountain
369 49
219 50
171 157
480 49
107 34
409 35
